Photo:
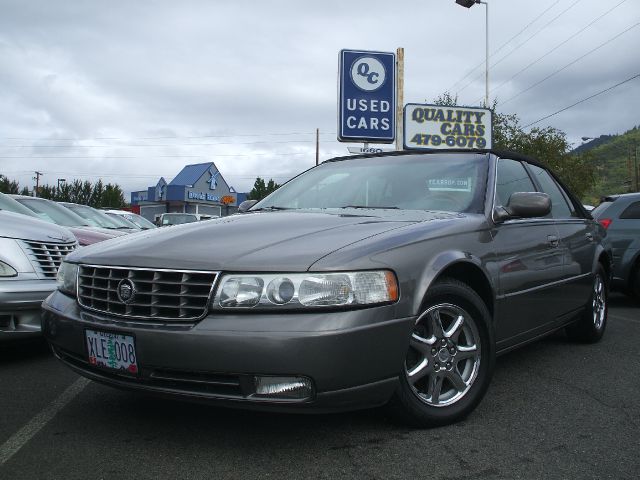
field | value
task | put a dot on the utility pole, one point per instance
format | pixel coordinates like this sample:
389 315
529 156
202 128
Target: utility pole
37 179
317 146
400 99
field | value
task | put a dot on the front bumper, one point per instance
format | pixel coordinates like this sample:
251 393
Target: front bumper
20 303
352 357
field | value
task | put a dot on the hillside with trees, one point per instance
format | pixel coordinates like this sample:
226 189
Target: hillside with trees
616 163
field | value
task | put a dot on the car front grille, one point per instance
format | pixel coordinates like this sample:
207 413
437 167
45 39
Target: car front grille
175 295
47 257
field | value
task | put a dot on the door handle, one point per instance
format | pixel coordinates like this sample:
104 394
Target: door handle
589 236
552 240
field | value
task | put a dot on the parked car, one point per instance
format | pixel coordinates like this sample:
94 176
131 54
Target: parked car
139 221
367 280
83 233
620 215
30 253
97 218
168 219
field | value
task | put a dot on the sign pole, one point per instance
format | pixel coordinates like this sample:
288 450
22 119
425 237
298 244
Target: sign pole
400 98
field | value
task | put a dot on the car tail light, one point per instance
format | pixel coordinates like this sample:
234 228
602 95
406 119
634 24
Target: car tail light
605 222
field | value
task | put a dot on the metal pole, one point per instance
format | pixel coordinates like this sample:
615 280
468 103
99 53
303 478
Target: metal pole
400 99
635 164
486 62
317 145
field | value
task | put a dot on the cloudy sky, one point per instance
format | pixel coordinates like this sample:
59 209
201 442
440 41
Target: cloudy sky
133 90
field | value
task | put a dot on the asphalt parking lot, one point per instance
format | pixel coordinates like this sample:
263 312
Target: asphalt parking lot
555 409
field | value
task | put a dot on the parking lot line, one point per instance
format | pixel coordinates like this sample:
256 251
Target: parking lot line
622 317
22 436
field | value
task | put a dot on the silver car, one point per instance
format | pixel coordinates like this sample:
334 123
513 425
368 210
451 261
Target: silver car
31 251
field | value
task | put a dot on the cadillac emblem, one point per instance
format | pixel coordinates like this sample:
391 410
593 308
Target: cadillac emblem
126 290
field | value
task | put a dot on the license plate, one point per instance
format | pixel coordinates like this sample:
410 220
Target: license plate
112 350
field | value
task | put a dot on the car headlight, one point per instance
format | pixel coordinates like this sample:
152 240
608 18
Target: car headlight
67 278
306 290
7 270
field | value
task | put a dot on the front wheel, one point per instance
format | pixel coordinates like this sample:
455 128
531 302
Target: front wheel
450 358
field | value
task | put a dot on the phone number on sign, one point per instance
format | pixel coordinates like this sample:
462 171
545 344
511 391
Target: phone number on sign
449 141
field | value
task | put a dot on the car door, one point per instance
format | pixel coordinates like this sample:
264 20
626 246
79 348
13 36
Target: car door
576 241
528 263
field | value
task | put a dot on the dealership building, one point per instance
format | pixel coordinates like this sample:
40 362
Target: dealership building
198 188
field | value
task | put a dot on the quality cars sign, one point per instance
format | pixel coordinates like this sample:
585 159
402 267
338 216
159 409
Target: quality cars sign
367 92
439 127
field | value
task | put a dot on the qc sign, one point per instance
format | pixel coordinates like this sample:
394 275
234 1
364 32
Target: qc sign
367 97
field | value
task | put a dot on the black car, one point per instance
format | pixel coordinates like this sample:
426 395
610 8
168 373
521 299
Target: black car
368 280
620 215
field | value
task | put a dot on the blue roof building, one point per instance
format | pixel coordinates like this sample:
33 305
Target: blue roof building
198 188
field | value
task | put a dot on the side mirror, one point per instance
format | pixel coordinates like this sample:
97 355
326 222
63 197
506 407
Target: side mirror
246 205
524 205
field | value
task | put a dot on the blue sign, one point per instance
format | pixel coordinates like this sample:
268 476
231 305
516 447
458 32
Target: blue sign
367 97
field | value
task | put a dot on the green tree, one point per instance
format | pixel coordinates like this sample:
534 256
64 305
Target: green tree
261 190
8 186
112 196
548 145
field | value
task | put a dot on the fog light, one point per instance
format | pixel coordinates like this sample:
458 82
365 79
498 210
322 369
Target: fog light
285 388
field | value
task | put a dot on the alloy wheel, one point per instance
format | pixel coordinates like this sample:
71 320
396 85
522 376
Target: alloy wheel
599 302
444 355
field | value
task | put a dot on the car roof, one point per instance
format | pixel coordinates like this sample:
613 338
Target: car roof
401 153
613 198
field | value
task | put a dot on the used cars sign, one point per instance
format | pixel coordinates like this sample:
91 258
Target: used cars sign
366 110
438 127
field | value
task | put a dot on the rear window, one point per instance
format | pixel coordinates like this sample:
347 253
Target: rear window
600 208
632 211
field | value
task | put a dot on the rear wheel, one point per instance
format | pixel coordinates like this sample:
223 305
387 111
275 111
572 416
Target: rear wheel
635 283
450 359
590 326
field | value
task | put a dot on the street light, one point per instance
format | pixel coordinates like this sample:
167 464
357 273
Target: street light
469 4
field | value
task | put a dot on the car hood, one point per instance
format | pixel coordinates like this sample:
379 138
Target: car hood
263 241
15 225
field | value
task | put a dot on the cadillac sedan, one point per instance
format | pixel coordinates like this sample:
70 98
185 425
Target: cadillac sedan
368 280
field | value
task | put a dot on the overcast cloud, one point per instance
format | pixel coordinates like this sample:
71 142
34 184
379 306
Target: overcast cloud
108 85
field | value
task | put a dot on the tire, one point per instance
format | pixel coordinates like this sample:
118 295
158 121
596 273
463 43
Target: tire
635 283
590 327
450 358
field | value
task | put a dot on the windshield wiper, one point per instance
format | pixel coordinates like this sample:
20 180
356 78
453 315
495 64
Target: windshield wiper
271 208
370 207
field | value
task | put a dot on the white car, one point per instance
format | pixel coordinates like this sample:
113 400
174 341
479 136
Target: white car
134 218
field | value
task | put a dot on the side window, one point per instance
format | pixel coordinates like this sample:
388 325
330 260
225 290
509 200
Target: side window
632 211
559 206
511 177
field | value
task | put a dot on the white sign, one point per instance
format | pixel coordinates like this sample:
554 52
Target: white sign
442 127
369 150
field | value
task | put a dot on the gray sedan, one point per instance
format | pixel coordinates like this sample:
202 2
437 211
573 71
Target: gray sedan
368 280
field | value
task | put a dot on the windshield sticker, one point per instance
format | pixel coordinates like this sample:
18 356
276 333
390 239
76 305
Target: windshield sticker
449 184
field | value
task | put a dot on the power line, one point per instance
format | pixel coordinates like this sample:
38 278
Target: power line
168 137
583 100
523 43
156 145
156 156
504 45
569 64
555 48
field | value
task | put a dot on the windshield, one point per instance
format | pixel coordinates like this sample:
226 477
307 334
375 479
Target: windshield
121 221
448 182
178 218
139 221
93 216
10 205
52 212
